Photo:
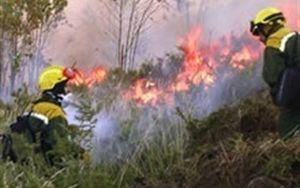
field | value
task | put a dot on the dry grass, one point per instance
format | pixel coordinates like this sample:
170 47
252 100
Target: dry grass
229 148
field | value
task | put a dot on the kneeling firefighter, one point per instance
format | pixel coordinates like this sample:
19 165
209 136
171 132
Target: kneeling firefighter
281 66
45 126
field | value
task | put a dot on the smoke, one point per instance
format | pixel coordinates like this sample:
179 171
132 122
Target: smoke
83 39
121 125
79 39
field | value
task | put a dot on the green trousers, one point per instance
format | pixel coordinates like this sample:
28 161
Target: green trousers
289 123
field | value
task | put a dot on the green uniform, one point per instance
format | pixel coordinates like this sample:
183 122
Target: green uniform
279 45
54 131
48 131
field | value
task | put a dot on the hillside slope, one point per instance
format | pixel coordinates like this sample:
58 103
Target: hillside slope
235 147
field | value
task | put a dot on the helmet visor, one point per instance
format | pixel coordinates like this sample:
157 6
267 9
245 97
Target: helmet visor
254 28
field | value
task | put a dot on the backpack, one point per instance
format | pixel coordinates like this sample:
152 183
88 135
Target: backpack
289 88
22 125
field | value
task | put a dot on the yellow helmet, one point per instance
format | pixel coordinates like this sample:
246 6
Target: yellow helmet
267 16
53 75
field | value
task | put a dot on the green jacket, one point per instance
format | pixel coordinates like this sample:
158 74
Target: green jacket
279 46
43 130
49 128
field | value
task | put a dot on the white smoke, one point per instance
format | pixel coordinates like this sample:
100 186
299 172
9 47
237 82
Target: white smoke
83 42
83 39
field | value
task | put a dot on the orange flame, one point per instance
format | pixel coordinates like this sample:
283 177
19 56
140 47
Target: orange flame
241 59
195 69
97 75
146 92
199 67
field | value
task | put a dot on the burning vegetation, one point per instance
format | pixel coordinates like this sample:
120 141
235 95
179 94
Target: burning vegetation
96 76
202 66
167 124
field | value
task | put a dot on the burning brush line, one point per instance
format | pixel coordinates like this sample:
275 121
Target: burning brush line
97 75
201 66
203 63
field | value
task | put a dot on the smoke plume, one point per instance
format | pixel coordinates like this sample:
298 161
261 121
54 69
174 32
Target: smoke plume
83 40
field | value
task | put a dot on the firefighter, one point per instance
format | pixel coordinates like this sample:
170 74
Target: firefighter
45 126
52 83
269 25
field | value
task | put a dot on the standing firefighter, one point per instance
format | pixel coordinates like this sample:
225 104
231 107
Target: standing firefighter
45 126
281 61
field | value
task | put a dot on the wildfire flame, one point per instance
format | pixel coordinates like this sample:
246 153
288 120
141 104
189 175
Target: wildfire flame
97 75
241 59
196 70
146 92
200 67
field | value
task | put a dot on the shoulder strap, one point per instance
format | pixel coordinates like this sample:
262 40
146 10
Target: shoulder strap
22 125
295 49
43 121
28 126
292 59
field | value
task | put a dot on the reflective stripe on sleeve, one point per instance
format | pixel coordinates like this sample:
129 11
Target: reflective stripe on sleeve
40 117
285 40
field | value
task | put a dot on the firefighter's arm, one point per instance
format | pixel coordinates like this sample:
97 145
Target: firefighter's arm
55 132
274 65
60 125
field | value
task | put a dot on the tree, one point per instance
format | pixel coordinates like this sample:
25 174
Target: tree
185 7
129 20
23 28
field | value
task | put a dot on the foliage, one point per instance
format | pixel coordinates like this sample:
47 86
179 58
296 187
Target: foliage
213 152
20 18
22 100
229 148
239 143
23 28
128 21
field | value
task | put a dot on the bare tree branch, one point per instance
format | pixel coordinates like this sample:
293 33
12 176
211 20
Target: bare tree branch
131 23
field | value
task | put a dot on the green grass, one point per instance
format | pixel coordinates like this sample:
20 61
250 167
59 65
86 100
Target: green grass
227 149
